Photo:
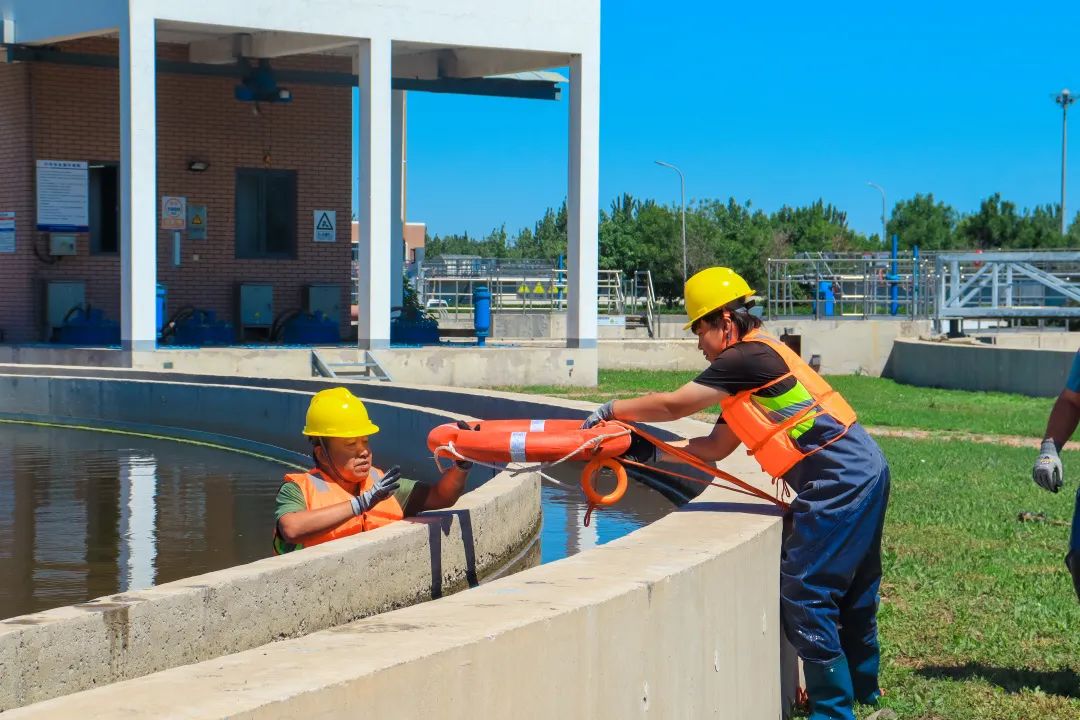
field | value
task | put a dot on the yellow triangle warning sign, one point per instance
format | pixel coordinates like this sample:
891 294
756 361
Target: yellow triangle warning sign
539 289
196 220
523 290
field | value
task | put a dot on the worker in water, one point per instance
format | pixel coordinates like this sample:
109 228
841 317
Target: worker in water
345 493
798 429
1048 471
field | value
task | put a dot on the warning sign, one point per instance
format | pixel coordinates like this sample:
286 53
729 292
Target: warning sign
196 222
173 213
325 225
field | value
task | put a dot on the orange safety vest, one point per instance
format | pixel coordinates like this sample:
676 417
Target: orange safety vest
320 492
768 429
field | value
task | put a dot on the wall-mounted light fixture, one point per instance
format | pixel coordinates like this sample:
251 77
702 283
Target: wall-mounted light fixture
198 166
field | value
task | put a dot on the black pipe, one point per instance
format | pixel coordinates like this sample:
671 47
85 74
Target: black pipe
491 87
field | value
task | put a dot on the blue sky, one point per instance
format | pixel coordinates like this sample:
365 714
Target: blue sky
776 103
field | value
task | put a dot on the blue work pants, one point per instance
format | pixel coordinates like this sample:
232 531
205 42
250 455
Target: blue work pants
830 566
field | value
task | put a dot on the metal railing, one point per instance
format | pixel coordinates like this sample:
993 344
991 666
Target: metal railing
1007 285
641 301
846 285
446 285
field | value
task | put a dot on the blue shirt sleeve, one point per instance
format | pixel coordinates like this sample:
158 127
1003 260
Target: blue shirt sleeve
1073 382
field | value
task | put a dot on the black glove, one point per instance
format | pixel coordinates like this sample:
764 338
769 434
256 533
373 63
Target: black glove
641 450
464 464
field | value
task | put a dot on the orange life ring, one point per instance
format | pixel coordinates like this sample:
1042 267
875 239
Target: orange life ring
588 481
506 441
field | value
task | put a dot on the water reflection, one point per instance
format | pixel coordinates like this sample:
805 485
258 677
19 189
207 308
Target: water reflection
87 514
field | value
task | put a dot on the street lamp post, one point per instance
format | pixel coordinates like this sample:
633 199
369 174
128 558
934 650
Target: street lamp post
884 231
682 192
1064 99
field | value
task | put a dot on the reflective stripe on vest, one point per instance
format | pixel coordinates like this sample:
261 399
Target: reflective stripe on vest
320 492
768 427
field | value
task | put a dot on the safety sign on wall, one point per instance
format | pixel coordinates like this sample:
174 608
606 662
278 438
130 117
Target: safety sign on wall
7 232
63 196
325 225
173 213
196 222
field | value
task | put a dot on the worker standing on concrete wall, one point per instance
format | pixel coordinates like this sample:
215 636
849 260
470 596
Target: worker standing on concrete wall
345 493
1048 470
800 430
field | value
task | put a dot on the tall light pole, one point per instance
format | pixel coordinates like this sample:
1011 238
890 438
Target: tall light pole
884 231
1064 99
682 192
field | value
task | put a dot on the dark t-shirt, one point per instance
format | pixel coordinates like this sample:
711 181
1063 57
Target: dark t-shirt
745 366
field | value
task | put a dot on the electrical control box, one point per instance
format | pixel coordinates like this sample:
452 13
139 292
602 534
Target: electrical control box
325 299
60 297
61 244
256 306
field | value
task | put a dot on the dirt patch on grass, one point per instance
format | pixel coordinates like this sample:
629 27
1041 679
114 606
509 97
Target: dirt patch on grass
955 436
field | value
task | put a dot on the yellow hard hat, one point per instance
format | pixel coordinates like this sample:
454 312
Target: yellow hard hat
712 289
338 413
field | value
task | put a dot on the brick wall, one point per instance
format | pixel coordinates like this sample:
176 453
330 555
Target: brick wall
74 115
16 194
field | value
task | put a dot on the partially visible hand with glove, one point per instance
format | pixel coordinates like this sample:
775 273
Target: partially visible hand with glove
1047 471
464 464
381 489
602 414
641 450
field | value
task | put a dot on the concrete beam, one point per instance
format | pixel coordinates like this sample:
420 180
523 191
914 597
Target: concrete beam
473 63
229 48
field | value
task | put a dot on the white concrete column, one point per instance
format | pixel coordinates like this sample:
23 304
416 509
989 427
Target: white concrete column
397 201
583 201
375 191
138 181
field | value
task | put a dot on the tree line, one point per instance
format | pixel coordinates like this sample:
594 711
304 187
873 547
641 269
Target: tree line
637 234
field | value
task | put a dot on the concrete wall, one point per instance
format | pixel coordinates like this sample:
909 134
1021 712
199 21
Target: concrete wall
1042 340
677 620
845 347
644 626
124 636
976 366
445 365
492 366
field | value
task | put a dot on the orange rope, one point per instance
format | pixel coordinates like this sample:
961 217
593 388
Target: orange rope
698 464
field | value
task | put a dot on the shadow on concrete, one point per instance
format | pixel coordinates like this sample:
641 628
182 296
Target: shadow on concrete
440 523
733 507
1065 682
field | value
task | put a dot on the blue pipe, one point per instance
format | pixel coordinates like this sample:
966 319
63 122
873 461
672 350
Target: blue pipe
915 281
894 280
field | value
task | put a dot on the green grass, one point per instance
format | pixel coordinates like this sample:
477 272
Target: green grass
884 402
878 402
978 618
